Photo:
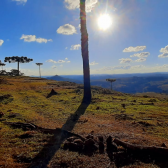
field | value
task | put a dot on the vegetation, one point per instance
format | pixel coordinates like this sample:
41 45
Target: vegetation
111 80
140 119
39 64
18 60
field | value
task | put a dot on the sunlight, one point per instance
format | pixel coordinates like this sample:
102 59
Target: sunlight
104 21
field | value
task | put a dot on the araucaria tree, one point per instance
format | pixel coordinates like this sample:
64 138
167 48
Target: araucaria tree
111 80
2 64
85 53
17 59
39 67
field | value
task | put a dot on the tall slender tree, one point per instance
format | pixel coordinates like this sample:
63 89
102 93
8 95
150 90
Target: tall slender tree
111 80
85 53
39 67
17 59
2 64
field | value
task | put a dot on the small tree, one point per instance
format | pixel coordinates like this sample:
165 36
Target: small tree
2 64
17 59
39 67
111 80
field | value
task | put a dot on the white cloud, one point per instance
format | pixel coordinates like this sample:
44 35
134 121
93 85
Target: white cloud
141 55
94 63
66 58
20 1
53 67
164 50
74 4
32 38
68 61
61 61
164 55
61 65
125 60
140 60
134 49
52 61
75 47
66 48
137 67
66 29
1 42
79 26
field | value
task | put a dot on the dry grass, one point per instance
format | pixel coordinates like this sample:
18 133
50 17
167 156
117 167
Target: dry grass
146 124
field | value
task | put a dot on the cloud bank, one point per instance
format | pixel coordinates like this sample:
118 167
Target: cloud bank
93 63
1 42
20 1
141 55
32 38
125 60
75 47
74 4
66 29
134 49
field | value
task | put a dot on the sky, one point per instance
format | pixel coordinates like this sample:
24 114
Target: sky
49 32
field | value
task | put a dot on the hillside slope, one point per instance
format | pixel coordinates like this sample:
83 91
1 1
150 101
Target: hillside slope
135 119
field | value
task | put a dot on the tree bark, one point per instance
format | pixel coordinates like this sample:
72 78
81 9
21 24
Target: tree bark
39 71
18 68
85 53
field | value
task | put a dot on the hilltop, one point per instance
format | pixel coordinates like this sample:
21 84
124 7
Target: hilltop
138 119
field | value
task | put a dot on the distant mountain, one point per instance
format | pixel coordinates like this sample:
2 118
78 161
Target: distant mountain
59 78
126 83
136 84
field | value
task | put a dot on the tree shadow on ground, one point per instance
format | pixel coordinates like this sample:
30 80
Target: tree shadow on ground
122 159
49 150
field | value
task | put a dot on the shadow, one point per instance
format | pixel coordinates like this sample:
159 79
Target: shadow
52 93
49 150
122 159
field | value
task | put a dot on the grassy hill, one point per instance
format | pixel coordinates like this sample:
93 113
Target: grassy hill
141 119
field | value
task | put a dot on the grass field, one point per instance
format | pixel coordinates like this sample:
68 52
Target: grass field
138 119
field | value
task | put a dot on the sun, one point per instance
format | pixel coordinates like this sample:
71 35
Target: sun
104 21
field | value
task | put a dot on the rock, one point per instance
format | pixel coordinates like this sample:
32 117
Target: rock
71 146
14 115
109 140
89 145
123 105
89 142
101 147
78 141
1 114
26 135
71 139
163 145
111 146
97 108
89 136
100 138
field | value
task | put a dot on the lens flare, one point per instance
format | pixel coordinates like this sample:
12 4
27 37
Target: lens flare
104 21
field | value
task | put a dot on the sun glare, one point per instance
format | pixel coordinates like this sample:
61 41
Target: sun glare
104 21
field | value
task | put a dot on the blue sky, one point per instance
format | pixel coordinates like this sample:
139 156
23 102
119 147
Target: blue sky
49 32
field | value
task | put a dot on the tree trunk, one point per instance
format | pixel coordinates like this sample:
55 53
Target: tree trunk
85 53
39 71
18 68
